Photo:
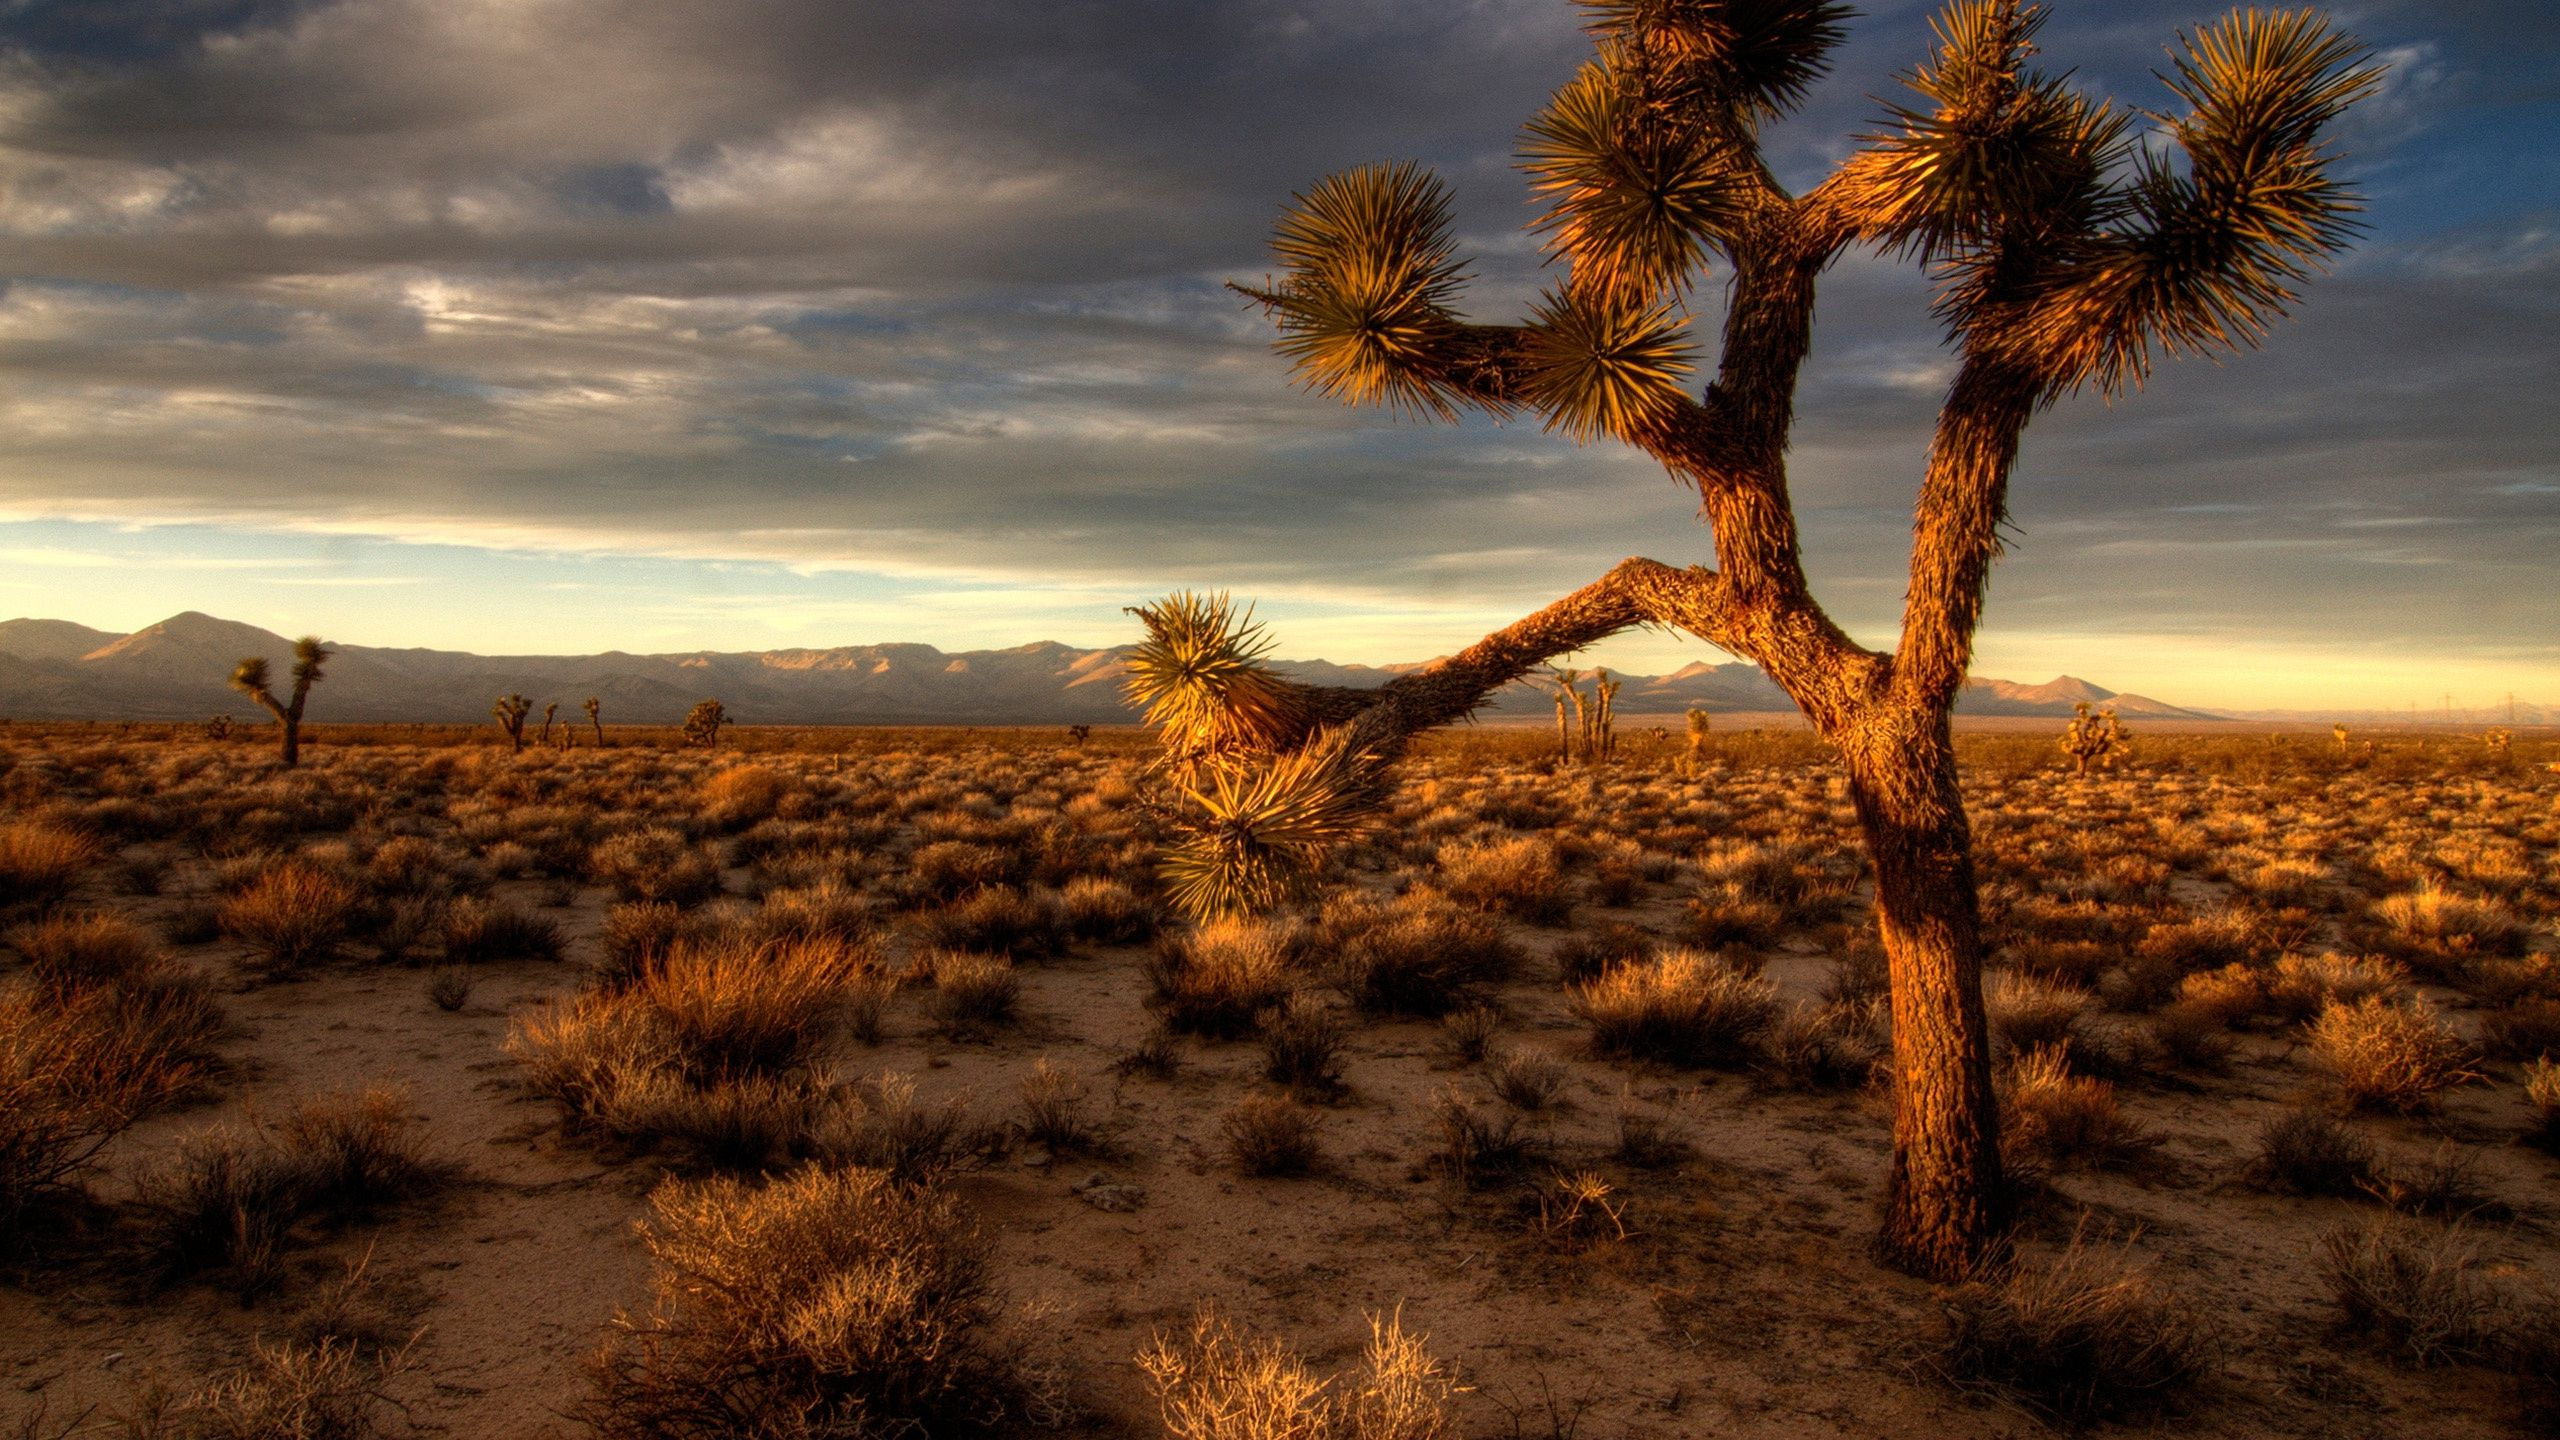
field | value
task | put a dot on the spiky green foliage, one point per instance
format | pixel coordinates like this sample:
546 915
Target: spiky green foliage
1635 210
1600 366
702 724
1755 58
1259 835
308 656
1364 310
1201 678
251 677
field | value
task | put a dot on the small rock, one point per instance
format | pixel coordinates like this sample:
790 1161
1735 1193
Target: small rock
1116 1199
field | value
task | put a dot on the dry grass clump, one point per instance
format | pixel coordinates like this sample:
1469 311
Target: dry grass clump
2027 1012
2390 1054
1271 1136
1302 1042
2430 921
945 870
292 916
1835 1045
1525 1079
322 1389
713 1042
1587 954
638 935
2542 1091
2052 1116
1419 954
106 1031
2304 1152
2417 1291
230 1201
2086 1336
997 920
2299 987
1055 1112
41 864
974 995
475 931
68 952
1215 1384
1484 1147
1095 910
1219 979
2522 1030
1679 1008
832 1302
655 863
741 795
1467 1032
1518 877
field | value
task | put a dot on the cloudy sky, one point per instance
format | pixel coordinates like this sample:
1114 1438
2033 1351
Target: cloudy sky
565 325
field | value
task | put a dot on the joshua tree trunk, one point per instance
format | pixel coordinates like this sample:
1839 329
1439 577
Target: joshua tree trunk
291 725
1947 1192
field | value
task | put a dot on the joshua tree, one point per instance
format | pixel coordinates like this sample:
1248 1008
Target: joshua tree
218 728
2501 743
595 717
1078 734
2067 252
509 712
2094 739
1600 722
547 712
1698 723
2338 732
250 679
702 724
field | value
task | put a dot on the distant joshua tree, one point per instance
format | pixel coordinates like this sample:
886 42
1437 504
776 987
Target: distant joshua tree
595 717
2094 739
547 712
218 728
2067 252
1698 724
509 712
250 679
1078 734
2501 743
2338 732
702 725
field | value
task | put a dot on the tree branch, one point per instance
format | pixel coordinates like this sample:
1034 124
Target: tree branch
1956 525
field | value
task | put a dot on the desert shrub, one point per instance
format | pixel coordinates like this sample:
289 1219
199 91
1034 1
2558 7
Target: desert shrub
2085 1336
1680 1008
474 931
2433 921
41 864
229 1201
2443 1186
2029 1013
324 1389
831 1302
1726 913
638 935
1214 1384
414 867
1055 1112
656 863
2523 1030
740 796
2052 1116
827 910
1480 1148
2207 941
1418 955
945 870
2542 1092
449 987
2304 1152
1302 1045
997 920
1101 911
79 1067
2390 1054
2417 1291
1467 1032
292 916
1525 1080
1218 980
1270 1135
2299 987
1518 877
714 1009
1649 1139
882 1126
67 952
1588 954
973 994
1829 1046
191 921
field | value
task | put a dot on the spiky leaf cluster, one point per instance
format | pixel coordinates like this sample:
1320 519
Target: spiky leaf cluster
1201 679
1635 206
251 676
308 656
1371 271
1598 367
1258 834
1753 58
2069 254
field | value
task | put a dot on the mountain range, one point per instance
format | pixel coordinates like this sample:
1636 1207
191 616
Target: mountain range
180 669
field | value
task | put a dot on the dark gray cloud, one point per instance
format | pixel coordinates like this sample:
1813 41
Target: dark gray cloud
934 289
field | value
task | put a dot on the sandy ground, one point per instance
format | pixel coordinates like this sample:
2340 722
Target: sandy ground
1742 1301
